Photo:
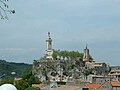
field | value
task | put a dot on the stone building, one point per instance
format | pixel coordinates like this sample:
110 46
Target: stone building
99 68
99 79
115 85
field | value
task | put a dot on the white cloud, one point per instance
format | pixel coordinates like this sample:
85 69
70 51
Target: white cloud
18 49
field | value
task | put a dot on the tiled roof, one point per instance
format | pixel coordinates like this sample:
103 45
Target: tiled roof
97 64
39 85
115 83
66 87
93 86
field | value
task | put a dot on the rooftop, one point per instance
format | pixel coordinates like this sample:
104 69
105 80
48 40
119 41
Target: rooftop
96 75
93 86
115 83
40 85
66 87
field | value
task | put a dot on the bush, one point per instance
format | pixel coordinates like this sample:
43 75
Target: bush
31 79
61 83
5 81
21 85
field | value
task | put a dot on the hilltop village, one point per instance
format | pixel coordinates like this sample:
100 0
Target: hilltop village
81 71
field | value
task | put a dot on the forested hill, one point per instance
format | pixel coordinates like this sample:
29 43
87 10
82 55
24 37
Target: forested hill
12 69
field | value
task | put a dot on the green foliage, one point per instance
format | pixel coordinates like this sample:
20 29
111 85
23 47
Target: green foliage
8 67
21 85
61 83
67 54
27 76
28 80
55 53
33 80
6 81
32 88
21 69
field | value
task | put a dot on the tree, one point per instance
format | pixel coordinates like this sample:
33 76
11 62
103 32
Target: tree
4 9
5 81
22 85
70 55
55 53
31 79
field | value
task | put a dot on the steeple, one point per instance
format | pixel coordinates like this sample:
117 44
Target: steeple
49 50
86 55
86 46
48 42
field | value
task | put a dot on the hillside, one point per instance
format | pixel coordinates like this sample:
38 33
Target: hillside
12 69
115 67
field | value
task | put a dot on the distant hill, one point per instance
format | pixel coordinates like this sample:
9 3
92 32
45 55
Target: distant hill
115 67
12 69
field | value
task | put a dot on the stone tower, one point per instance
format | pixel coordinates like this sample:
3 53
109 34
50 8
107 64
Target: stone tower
86 55
49 50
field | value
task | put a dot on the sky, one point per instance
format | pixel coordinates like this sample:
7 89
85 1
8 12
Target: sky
72 23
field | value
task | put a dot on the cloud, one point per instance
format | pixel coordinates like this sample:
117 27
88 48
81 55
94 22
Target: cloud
18 49
26 55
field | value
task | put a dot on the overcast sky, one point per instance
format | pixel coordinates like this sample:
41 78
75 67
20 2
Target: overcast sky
72 23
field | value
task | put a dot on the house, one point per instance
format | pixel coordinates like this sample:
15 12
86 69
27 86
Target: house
108 85
99 79
99 68
112 85
115 75
115 85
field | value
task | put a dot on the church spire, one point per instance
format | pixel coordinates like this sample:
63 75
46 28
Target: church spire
48 34
86 46
86 55
48 42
